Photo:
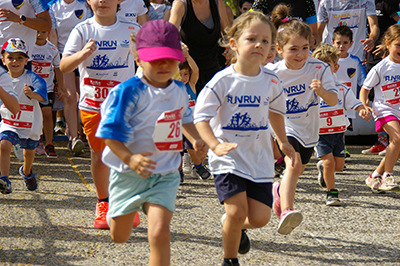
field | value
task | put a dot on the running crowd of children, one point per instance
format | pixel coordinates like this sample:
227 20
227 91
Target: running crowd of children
281 98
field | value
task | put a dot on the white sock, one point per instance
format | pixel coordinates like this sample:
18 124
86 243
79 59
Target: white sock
376 174
385 174
60 118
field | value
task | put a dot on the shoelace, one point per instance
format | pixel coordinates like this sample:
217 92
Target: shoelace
102 211
30 182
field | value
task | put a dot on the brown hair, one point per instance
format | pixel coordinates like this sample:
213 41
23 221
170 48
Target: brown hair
279 13
391 34
326 53
292 28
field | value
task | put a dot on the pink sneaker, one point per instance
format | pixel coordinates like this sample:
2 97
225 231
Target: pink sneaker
290 219
277 199
136 220
40 149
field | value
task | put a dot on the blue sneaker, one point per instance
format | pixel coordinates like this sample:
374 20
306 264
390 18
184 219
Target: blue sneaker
30 180
5 185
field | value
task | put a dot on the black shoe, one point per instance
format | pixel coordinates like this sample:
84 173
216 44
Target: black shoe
230 263
332 198
202 172
244 246
182 177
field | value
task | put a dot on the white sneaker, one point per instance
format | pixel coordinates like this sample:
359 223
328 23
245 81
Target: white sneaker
187 164
19 152
388 184
382 153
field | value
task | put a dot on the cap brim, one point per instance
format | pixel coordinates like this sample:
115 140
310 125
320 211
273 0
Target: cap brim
15 51
157 53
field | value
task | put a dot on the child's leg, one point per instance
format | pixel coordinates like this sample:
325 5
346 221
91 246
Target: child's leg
393 149
5 151
100 173
258 215
331 165
236 210
48 126
159 219
29 156
121 227
70 104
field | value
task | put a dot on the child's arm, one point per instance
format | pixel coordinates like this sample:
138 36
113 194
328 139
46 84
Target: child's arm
60 83
364 99
140 163
329 96
194 77
207 135
70 62
9 101
364 113
190 132
53 37
33 95
278 125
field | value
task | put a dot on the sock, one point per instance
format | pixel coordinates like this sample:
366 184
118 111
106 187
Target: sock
60 118
383 138
376 174
100 200
198 165
385 174
181 171
279 160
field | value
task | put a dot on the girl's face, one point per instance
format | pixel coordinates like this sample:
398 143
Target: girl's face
295 52
394 50
158 73
185 75
104 10
271 55
253 45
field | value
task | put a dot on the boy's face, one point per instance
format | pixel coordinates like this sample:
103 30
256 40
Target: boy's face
185 75
15 62
343 44
159 72
41 37
104 8
245 7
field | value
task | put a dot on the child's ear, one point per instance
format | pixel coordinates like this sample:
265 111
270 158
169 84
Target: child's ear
138 61
337 66
233 45
279 50
351 44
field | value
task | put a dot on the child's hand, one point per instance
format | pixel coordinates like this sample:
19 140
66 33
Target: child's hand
316 85
89 48
365 113
141 164
289 151
185 49
28 92
200 148
224 148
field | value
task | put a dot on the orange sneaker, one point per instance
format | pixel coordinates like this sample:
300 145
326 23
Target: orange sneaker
136 220
100 222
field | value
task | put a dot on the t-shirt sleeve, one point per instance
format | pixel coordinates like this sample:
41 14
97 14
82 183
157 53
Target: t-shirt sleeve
392 7
322 14
74 44
350 100
39 6
56 59
277 102
371 80
39 86
370 8
207 103
53 18
327 80
6 84
311 14
142 9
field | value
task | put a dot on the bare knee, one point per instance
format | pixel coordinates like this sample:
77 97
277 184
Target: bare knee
259 221
159 234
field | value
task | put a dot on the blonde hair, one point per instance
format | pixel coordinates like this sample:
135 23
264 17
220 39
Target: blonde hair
391 34
133 45
327 53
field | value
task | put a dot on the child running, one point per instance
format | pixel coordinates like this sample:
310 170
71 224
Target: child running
142 123
333 124
232 115
99 48
304 80
385 80
25 127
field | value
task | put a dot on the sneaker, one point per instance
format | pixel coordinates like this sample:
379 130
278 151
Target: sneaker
388 184
244 245
182 177
230 263
290 219
279 167
136 220
374 183
59 128
332 198
347 153
19 152
202 172
376 149
5 185
76 146
223 218
320 168
277 199
40 149
100 221
30 180
50 152
187 163
382 153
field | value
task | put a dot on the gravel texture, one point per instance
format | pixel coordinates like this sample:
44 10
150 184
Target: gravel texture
54 224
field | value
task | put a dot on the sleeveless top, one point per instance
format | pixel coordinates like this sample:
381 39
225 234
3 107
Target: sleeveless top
202 41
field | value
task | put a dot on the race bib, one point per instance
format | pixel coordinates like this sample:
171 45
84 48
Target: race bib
42 69
332 122
191 103
391 92
167 134
96 90
23 119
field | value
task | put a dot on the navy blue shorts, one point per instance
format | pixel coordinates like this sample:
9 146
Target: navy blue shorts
13 137
305 153
229 185
331 143
50 100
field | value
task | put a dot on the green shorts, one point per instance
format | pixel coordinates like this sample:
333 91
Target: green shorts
129 191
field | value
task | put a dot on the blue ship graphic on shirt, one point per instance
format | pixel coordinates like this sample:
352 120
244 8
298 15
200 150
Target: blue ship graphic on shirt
293 106
102 62
242 122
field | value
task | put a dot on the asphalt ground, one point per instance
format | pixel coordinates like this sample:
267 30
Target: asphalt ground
54 224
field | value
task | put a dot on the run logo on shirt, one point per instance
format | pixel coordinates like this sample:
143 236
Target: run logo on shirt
245 100
295 90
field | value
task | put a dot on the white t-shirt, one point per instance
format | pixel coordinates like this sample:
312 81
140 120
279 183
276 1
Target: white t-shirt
65 16
160 9
384 77
6 84
131 9
9 29
28 122
333 119
129 114
302 104
44 58
111 63
352 74
237 108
